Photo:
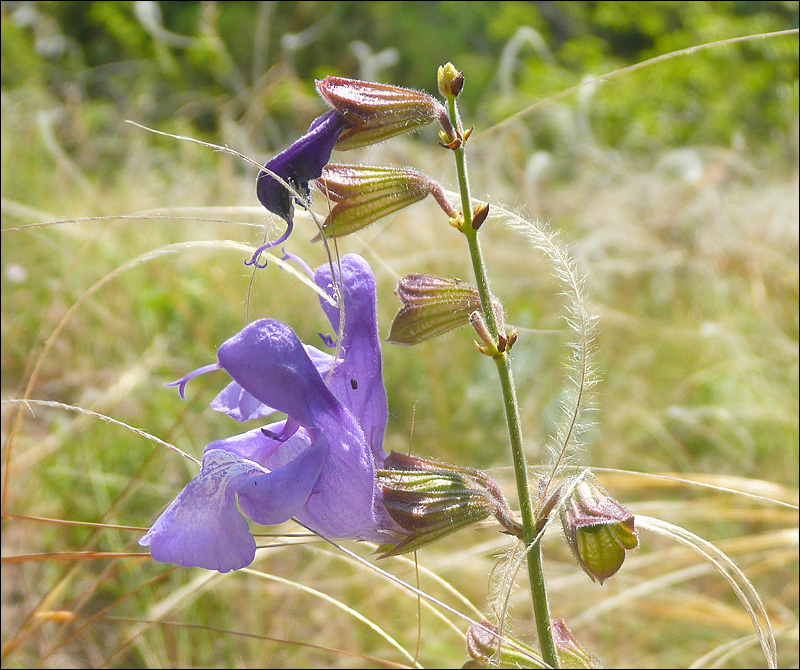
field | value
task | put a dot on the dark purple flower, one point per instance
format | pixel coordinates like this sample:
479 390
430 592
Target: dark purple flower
297 165
318 465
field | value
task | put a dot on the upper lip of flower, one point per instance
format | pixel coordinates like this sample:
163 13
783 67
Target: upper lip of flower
318 465
363 113
299 164
296 166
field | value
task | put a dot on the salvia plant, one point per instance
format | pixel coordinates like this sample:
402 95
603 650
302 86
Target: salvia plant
324 464
317 454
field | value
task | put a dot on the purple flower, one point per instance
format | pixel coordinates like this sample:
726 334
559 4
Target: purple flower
297 165
318 465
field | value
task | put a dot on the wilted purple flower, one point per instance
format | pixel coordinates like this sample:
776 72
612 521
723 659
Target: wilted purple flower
297 165
363 113
318 465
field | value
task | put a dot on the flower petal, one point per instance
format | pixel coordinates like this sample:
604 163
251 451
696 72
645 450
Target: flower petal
268 361
275 497
253 445
202 527
357 381
238 404
343 501
299 164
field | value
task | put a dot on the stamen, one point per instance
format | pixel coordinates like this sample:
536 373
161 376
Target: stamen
293 257
269 245
289 428
181 383
327 340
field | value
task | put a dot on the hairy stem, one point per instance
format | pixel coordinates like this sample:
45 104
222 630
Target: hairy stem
541 608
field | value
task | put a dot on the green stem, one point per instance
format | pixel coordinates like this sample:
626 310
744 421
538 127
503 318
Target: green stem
541 608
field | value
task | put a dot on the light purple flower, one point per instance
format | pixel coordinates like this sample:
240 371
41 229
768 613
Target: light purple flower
318 465
297 165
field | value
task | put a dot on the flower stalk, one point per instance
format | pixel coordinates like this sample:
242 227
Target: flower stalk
541 607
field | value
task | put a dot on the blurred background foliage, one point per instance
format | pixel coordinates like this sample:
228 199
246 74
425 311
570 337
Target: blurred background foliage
675 187
203 67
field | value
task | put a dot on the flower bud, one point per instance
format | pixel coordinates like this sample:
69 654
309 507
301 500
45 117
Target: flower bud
487 650
432 306
431 500
376 112
495 347
479 215
450 80
597 528
364 194
570 653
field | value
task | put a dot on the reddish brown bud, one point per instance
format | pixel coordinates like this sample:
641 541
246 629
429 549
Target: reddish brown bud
479 215
375 112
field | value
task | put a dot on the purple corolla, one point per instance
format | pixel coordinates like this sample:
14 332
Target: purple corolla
318 465
297 166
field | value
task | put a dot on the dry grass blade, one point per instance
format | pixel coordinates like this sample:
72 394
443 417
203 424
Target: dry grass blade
73 408
340 605
730 572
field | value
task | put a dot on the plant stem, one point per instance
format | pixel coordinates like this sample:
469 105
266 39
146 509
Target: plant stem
541 608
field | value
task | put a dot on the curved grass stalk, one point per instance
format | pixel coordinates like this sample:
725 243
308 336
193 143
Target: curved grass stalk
254 636
581 375
627 70
444 584
729 571
401 587
425 596
753 484
156 253
717 657
129 217
74 408
336 603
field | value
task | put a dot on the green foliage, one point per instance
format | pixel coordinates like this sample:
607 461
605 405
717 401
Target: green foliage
229 62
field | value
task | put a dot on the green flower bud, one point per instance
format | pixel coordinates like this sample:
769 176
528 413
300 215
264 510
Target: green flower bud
598 529
570 653
364 194
432 306
450 81
487 651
